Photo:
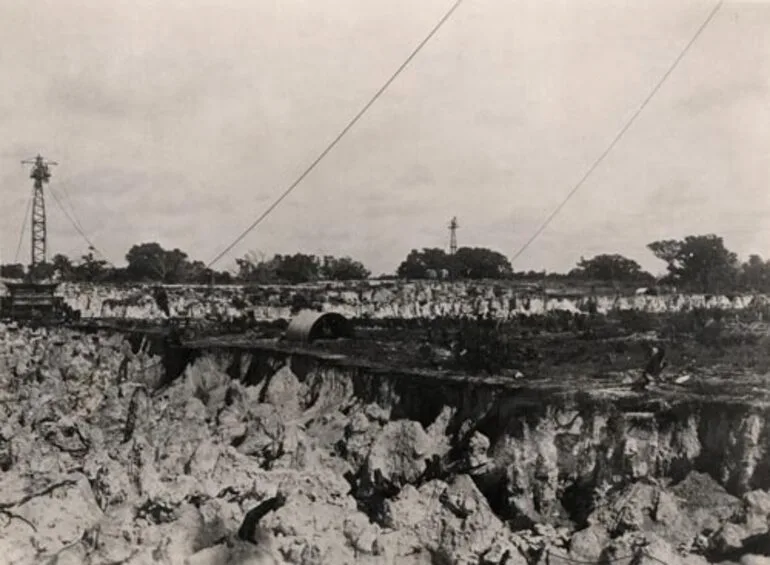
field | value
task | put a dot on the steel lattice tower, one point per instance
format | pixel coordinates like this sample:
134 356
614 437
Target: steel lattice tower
41 175
453 225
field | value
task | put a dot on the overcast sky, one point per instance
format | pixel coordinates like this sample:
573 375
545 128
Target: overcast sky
179 121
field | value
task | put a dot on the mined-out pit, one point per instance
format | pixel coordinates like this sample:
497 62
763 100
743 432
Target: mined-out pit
257 452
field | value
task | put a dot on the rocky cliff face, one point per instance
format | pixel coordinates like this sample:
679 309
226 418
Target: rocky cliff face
376 300
264 457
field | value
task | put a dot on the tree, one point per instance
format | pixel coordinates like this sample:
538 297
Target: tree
480 263
468 262
297 268
146 261
178 268
532 275
42 271
611 268
150 262
196 272
667 250
90 269
12 271
418 263
252 269
699 262
63 266
218 277
292 269
343 269
755 274
118 275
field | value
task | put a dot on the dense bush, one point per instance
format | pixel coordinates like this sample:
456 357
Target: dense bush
483 346
635 321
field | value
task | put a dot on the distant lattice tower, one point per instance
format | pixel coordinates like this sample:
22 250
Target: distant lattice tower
453 225
41 175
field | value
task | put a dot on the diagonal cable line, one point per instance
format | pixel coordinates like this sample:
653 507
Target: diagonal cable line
619 135
76 226
344 131
21 233
68 200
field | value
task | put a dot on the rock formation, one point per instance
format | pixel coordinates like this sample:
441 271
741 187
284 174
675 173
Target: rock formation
334 465
367 299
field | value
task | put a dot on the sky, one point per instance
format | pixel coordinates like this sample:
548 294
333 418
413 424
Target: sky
181 121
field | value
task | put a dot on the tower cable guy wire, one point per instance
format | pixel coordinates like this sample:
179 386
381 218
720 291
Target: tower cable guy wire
342 133
619 135
77 227
21 233
68 200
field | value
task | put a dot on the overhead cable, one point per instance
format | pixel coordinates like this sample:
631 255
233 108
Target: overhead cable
337 139
619 135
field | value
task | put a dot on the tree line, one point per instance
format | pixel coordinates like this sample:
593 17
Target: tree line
696 263
699 263
151 263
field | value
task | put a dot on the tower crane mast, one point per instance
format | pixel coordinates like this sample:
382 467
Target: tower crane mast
41 174
34 299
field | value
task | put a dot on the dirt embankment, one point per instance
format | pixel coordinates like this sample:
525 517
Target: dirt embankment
376 300
267 458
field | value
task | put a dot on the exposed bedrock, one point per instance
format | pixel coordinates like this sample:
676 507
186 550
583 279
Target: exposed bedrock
261 457
605 464
539 441
372 299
